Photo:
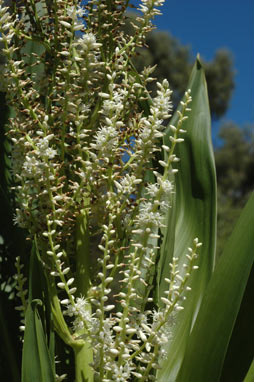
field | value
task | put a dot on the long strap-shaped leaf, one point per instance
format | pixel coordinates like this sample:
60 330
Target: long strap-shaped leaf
193 215
84 353
212 331
250 375
240 350
38 327
36 361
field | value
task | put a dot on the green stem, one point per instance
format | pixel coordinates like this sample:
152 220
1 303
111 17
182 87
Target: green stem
82 252
83 359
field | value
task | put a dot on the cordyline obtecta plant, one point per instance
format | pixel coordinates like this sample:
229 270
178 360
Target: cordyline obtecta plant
95 164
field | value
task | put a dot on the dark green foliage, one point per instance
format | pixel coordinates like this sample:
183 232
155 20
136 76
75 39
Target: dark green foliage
220 82
235 161
10 351
235 176
12 244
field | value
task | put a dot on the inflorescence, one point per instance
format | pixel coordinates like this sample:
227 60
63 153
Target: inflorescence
82 149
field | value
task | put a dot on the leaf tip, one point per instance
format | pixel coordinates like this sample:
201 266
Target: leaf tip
198 61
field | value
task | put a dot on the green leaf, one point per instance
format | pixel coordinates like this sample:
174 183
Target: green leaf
36 361
52 349
38 291
210 337
84 352
250 375
193 215
37 280
241 347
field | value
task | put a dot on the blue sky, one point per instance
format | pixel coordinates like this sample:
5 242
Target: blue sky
209 25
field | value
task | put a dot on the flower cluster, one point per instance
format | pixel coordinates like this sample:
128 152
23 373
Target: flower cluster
129 342
85 185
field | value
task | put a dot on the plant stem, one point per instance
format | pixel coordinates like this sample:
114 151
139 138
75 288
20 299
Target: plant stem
83 359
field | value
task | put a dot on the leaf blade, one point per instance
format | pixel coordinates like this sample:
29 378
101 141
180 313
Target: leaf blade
195 203
250 375
241 346
221 304
36 361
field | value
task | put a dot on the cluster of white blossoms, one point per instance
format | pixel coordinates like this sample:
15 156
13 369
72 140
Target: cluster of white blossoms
129 342
83 151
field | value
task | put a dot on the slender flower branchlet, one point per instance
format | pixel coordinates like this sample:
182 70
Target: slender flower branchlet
21 291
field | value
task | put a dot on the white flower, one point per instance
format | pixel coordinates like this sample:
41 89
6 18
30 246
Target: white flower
106 139
150 131
60 378
128 183
50 153
19 218
88 42
75 11
43 148
152 190
149 218
6 25
32 166
121 373
162 105
166 185
148 6
114 100
81 311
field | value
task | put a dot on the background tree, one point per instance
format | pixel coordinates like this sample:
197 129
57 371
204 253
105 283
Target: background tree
220 82
235 174
235 161
174 61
